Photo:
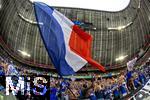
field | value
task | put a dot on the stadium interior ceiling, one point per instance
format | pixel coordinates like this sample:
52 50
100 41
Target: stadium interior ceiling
124 33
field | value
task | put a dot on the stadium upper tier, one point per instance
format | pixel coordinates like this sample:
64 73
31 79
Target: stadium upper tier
122 34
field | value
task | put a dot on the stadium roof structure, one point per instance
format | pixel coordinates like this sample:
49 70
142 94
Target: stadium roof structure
118 35
103 5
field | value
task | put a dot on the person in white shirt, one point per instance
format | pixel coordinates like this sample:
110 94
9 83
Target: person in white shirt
10 69
131 63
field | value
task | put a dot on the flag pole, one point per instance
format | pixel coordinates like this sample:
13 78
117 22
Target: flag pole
71 91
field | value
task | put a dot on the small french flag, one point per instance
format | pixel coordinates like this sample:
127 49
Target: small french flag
68 46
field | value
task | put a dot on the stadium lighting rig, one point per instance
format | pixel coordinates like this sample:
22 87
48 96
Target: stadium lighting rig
121 58
120 27
24 53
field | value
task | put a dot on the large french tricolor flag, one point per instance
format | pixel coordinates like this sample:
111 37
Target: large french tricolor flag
68 46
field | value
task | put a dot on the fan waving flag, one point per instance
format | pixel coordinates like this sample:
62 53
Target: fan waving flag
67 45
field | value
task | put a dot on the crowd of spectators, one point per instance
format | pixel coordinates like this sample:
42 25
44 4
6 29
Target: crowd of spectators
99 88
96 88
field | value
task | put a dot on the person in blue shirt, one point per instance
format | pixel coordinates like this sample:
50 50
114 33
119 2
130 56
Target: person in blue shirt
123 89
142 78
100 92
107 93
64 85
128 75
92 95
53 92
85 91
2 72
116 93
137 82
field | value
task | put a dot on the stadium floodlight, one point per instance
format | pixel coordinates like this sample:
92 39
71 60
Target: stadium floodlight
117 28
0 4
121 58
24 53
28 20
120 27
94 28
